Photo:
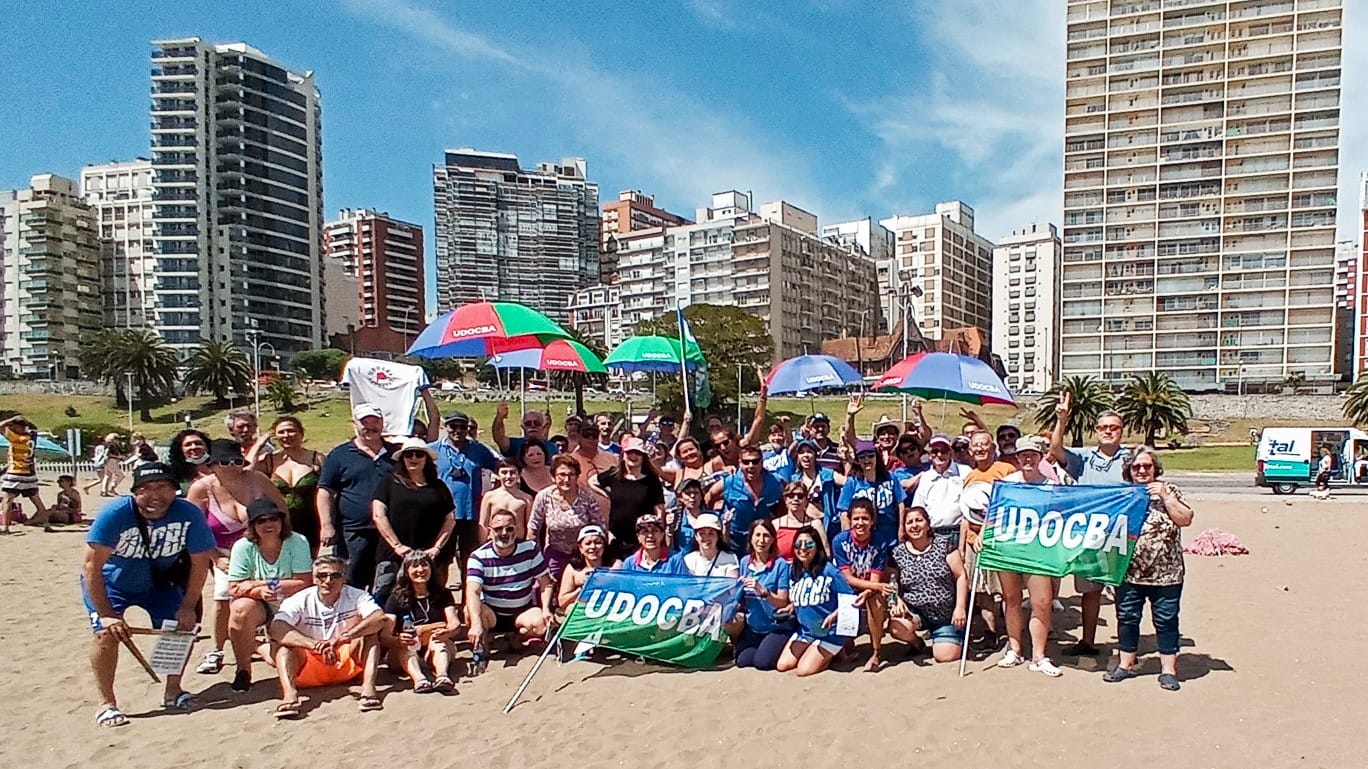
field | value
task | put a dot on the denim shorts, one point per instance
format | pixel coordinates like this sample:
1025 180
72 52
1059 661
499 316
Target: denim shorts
825 644
160 603
947 634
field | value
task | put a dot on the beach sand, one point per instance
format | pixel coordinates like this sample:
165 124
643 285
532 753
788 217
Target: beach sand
1271 679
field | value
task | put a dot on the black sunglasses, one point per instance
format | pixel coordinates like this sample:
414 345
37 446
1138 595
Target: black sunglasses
327 576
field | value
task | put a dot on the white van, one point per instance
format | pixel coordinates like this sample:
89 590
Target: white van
1287 457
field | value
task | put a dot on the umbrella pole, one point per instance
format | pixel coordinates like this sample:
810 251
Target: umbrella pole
522 392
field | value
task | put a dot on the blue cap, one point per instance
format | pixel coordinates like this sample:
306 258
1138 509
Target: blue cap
820 417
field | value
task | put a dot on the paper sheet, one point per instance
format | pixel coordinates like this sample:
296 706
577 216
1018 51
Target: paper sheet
171 651
847 616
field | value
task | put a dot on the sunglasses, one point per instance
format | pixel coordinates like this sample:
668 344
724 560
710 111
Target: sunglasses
721 443
228 463
750 462
458 426
1142 466
267 519
327 576
939 450
806 545
415 454
1008 437
795 495
1109 428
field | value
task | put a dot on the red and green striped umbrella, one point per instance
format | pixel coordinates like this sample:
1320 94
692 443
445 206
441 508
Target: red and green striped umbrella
560 355
482 329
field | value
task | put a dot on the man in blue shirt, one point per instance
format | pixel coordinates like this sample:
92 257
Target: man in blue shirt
1100 466
536 426
346 488
152 550
460 465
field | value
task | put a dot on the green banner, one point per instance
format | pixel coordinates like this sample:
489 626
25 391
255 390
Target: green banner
1057 530
678 619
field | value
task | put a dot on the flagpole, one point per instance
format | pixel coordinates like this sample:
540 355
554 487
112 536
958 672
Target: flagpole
683 357
968 620
553 643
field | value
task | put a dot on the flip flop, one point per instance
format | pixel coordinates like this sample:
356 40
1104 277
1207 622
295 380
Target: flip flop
181 702
111 716
369 704
422 687
287 710
444 685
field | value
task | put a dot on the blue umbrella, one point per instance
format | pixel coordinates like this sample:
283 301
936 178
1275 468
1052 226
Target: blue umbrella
811 372
43 446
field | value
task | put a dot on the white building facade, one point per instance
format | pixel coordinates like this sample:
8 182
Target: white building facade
121 196
943 268
1200 172
877 243
1026 327
596 313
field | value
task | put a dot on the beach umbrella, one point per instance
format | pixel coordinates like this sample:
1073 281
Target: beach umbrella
946 376
42 446
558 355
660 354
482 329
811 372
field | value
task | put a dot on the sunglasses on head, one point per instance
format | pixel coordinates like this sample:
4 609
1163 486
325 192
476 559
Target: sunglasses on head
327 576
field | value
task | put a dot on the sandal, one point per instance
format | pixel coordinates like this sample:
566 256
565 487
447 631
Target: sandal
422 686
287 710
370 703
1117 674
444 685
181 702
211 664
1169 682
111 716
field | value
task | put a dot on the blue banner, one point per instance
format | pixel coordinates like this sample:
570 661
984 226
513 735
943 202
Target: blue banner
672 618
1056 530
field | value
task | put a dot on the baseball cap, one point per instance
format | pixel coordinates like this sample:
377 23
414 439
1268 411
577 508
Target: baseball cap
1032 443
456 416
362 410
820 417
865 448
650 519
806 443
151 473
686 483
961 442
705 521
939 438
590 531
885 423
632 443
261 508
666 420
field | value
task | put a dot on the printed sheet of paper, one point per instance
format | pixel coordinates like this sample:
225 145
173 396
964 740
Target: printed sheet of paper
847 616
172 651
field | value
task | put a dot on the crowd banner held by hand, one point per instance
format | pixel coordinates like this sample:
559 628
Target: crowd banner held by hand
1057 530
679 620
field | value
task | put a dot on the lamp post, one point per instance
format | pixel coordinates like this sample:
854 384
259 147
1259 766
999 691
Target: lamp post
129 376
254 338
905 295
407 311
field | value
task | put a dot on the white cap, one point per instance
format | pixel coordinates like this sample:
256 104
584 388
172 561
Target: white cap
362 410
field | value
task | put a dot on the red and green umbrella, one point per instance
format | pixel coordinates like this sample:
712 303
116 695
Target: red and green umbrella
482 329
559 355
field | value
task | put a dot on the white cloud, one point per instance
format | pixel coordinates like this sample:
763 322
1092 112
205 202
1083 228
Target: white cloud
664 141
993 100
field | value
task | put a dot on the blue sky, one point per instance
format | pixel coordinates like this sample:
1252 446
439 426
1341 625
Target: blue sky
845 108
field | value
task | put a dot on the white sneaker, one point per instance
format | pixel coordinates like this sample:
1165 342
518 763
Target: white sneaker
1010 659
212 663
1044 665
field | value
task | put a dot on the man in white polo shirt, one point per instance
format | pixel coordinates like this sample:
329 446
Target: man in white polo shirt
938 490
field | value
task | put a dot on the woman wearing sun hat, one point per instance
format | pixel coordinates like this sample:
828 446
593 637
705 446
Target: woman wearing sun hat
413 510
589 555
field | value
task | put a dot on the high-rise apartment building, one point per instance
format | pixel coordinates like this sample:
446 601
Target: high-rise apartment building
633 211
1347 258
942 270
373 274
596 314
49 279
1361 286
876 242
237 196
503 232
1026 328
1200 169
121 196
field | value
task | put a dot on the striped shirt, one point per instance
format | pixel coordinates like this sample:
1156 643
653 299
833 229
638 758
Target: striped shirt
509 581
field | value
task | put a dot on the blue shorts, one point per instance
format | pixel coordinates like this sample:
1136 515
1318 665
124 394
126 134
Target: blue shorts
160 604
825 644
947 634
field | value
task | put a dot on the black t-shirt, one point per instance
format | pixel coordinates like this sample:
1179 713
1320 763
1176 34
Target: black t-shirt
415 514
423 611
630 499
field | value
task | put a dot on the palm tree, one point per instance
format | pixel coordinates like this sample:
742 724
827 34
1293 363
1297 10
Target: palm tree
1089 397
283 395
113 354
219 367
1356 401
1152 404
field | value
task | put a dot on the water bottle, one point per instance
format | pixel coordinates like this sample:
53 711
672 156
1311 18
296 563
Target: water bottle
478 661
273 584
412 641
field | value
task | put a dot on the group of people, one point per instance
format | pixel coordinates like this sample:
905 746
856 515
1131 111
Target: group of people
399 547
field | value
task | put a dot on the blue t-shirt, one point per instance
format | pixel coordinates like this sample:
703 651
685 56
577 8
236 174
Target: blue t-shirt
760 612
736 496
672 565
814 598
907 474
860 560
886 497
1090 467
460 470
353 475
129 569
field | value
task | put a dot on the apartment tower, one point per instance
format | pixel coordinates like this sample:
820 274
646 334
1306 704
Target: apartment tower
1026 327
1200 167
942 270
237 197
121 196
373 273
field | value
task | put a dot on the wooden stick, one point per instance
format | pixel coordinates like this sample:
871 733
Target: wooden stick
138 655
150 631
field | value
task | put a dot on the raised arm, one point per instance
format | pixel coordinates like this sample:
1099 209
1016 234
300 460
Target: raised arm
1063 410
758 423
849 436
499 431
434 415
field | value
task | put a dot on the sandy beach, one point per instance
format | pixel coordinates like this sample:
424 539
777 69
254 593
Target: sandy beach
1266 682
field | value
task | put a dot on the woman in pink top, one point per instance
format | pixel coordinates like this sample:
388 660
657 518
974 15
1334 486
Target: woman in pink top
223 496
559 511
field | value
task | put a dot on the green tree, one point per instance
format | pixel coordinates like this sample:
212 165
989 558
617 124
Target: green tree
283 395
319 364
1089 397
217 367
111 355
1153 404
729 337
1356 402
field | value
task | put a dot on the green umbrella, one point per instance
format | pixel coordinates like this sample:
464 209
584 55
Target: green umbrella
660 354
